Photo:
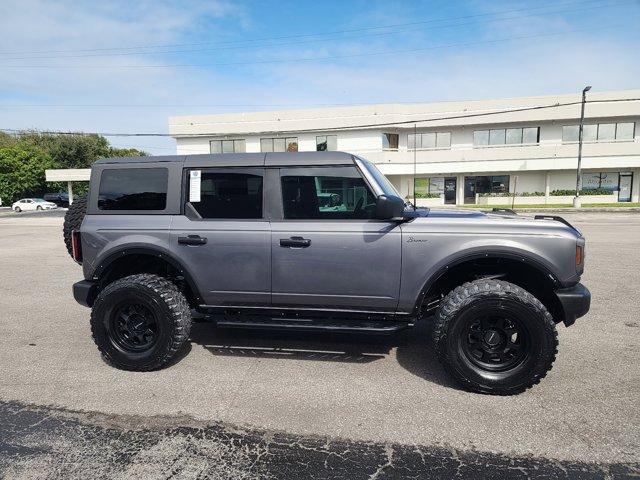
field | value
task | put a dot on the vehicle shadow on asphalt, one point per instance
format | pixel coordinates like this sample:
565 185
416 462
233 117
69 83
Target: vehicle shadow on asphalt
413 349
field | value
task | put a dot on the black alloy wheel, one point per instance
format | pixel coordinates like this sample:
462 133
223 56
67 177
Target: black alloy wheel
133 327
495 342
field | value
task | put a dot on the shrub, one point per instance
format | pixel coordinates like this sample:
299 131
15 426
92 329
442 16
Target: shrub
588 191
508 194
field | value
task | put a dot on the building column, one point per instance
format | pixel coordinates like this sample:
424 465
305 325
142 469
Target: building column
547 187
70 191
460 189
635 187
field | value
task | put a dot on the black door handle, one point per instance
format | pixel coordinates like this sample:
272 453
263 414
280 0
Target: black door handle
295 242
192 240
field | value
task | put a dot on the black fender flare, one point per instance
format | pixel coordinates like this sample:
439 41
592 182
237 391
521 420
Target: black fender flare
480 253
105 262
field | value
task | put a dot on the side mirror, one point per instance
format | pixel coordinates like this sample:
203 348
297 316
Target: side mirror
389 207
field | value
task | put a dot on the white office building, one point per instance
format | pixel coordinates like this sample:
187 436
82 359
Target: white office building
487 152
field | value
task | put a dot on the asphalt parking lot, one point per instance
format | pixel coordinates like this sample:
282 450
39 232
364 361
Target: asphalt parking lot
257 405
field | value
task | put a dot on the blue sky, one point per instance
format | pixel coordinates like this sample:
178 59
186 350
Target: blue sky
119 66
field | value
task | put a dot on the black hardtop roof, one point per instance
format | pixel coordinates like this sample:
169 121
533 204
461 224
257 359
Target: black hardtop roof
241 159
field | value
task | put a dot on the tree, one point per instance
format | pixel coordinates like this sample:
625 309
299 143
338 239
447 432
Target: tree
25 154
76 150
22 172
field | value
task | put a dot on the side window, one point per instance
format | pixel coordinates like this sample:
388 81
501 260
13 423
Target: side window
230 195
329 193
133 189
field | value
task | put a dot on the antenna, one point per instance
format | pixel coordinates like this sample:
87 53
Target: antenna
415 147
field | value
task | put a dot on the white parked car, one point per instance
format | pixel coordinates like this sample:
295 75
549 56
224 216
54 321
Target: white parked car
32 204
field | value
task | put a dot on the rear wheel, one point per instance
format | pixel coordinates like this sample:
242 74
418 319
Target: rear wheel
73 220
18 209
495 337
140 322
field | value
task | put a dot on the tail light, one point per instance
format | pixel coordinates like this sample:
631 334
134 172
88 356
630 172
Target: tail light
579 255
76 246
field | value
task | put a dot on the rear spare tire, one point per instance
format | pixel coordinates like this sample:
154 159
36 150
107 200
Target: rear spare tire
494 337
73 219
140 322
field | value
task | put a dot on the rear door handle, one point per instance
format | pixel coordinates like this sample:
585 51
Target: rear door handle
192 240
295 242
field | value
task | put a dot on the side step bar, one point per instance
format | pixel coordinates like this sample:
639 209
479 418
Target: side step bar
307 324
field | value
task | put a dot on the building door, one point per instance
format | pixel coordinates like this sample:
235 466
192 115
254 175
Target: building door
469 189
626 181
450 185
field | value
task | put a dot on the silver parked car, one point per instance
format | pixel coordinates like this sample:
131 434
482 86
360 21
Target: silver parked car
316 241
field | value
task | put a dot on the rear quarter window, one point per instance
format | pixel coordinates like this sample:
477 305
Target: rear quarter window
133 189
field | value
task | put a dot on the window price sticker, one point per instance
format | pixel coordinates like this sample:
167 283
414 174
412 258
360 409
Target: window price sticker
195 177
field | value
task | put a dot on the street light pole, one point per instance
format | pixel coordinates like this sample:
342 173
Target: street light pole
576 201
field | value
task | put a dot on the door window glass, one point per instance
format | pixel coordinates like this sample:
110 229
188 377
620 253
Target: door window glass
229 195
133 189
326 193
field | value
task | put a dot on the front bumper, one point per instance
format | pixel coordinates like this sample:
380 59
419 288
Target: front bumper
85 292
575 302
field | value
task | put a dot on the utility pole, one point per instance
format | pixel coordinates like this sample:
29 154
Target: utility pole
576 201
415 148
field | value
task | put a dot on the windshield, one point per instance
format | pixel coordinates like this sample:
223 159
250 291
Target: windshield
40 200
384 183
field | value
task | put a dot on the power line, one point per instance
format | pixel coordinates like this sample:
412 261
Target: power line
346 127
316 40
313 59
283 37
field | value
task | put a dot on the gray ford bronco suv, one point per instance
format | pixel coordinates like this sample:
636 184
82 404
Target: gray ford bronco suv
317 240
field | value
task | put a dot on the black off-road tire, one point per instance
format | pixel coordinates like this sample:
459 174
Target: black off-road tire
463 305
73 219
160 297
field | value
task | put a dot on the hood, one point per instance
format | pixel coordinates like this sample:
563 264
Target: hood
453 213
494 222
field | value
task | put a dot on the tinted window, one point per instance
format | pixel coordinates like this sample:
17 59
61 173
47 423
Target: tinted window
326 193
133 189
230 195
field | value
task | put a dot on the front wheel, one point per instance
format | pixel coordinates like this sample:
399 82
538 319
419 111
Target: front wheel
140 322
38 207
495 337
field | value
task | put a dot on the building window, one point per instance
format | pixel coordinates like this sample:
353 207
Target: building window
602 132
496 137
600 180
289 144
429 187
228 146
425 141
326 143
390 141
625 131
508 136
481 138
